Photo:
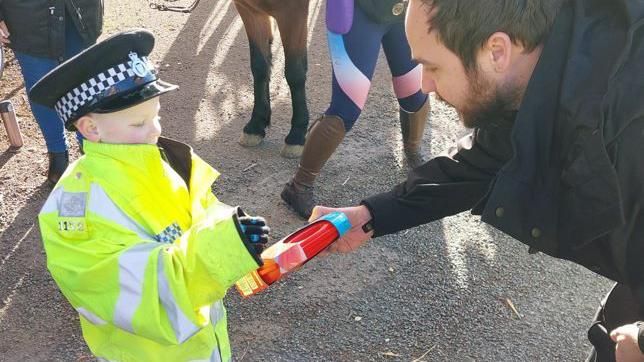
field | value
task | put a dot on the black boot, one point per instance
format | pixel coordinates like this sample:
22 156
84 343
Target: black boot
58 162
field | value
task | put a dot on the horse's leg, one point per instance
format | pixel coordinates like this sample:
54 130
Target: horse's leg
292 23
258 30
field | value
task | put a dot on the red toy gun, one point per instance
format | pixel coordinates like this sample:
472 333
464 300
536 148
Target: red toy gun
294 251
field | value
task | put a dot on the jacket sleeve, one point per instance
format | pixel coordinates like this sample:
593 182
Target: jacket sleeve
113 273
446 185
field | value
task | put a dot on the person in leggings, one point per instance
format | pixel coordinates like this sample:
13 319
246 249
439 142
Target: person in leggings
355 33
43 34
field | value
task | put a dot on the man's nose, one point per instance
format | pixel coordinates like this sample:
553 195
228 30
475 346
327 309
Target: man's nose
427 84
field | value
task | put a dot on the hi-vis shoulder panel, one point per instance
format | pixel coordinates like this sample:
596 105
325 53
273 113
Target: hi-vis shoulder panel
72 209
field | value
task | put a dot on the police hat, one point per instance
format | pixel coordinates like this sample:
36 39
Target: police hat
107 77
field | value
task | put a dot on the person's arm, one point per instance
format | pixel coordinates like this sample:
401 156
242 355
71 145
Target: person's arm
112 273
444 186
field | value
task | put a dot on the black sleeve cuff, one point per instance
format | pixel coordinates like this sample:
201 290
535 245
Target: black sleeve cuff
382 210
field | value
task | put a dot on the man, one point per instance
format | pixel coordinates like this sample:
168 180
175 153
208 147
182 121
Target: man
553 91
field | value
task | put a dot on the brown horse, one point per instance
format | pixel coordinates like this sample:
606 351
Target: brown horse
291 17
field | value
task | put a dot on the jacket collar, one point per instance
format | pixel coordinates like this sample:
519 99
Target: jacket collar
534 126
138 156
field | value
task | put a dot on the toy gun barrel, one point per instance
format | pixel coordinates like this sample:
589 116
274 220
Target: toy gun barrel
294 251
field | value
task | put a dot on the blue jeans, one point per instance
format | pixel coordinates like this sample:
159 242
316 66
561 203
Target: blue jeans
34 68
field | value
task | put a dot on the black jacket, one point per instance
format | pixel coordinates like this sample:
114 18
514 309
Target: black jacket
37 27
567 178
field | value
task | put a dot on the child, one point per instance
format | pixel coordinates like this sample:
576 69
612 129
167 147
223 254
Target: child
134 237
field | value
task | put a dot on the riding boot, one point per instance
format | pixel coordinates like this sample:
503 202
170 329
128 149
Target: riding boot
412 126
322 139
58 162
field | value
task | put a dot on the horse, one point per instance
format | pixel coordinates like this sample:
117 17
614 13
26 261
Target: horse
291 17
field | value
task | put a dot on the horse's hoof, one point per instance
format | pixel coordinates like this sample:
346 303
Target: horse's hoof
291 151
250 140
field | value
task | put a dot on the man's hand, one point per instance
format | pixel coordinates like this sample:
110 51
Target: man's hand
355 237
627 349
4 33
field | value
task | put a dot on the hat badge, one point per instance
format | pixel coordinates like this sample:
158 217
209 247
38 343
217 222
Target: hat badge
139 67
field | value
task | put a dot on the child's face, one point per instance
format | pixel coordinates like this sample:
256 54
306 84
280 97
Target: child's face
137 124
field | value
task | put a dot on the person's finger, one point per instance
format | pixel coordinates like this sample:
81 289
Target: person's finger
247 220
256 229
319 211
341 246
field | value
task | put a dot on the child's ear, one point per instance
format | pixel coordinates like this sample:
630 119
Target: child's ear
86 125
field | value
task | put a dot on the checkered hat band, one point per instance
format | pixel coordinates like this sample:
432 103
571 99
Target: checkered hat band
118 78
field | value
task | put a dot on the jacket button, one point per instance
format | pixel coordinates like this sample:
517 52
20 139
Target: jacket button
60 18
398 9
499 212
536 233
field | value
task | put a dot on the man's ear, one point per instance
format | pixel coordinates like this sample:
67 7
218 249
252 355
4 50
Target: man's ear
86 125
499 47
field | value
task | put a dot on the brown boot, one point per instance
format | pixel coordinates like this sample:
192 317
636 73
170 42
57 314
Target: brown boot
412 126
323 138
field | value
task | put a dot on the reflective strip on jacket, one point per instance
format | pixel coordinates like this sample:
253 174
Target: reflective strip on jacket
144 259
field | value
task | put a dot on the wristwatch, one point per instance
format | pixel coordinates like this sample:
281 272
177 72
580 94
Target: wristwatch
368 226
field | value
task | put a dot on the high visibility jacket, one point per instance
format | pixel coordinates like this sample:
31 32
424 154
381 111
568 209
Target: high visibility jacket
145 252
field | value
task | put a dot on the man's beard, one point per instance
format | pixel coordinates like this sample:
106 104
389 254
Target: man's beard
488 105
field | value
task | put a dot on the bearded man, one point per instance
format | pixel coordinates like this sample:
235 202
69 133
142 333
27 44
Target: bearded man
552 90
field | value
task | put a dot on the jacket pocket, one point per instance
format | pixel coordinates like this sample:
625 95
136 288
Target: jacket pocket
591 201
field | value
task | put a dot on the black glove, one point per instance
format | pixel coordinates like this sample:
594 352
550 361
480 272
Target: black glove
256 231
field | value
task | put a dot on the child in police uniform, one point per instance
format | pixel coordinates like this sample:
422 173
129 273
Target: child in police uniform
134 237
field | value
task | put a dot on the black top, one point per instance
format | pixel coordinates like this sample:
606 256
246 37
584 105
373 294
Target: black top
37 27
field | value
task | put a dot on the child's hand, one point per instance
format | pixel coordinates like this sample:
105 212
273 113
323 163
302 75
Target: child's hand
256 231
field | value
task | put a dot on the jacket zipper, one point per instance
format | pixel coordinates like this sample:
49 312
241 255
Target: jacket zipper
78 12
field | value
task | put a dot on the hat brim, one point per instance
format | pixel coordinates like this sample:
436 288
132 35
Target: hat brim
120 102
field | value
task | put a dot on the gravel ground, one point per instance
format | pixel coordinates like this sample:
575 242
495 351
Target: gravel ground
440 292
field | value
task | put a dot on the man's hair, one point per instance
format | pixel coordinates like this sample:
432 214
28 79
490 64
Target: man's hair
464 26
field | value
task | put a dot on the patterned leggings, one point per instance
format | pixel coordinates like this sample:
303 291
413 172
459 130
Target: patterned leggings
354 56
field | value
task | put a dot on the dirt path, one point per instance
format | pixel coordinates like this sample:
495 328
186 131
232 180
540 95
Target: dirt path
441 288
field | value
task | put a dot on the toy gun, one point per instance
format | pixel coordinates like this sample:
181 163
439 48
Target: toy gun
294 251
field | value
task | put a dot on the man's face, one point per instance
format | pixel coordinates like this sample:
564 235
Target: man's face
477 97
135 125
